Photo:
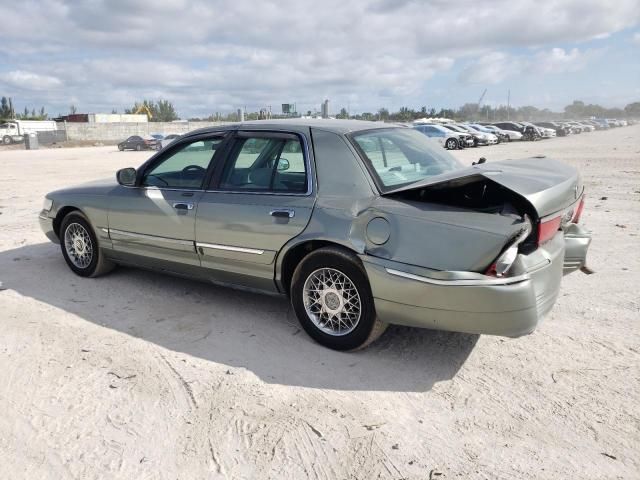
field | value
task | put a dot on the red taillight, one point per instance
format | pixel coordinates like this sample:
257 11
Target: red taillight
548 229
576 216
491 271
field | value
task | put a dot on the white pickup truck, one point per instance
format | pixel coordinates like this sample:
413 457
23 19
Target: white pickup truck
14 131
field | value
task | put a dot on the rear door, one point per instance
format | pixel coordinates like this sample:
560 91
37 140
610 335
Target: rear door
259 198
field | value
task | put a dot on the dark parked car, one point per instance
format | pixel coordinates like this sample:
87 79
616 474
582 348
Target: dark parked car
561 130
528 132
360 224
466 137
136 142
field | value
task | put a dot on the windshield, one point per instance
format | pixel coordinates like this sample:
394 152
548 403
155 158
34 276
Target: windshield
400 156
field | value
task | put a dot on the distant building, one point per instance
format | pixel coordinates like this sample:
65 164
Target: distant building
104 118
324 109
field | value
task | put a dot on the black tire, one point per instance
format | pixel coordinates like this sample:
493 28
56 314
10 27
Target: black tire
98 265
451 144
367 329
120 147
7 140
138 147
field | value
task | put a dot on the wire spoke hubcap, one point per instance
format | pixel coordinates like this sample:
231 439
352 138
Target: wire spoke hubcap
78 245
332 301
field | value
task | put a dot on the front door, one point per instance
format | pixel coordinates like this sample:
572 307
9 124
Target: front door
155 220
260 198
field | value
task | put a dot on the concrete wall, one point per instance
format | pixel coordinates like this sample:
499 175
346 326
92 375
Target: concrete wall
116 132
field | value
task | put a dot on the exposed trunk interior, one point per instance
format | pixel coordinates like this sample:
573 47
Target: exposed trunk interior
477 193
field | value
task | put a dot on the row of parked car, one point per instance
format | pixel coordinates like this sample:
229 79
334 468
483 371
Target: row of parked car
462 135
452 136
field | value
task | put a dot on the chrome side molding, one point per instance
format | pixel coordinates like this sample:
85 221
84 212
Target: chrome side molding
229 248
154 238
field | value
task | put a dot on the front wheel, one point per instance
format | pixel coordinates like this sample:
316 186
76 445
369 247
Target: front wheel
80 247
451 144
331 296
7 140
138 147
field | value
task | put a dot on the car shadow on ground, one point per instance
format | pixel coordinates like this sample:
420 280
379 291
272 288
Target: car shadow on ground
231 327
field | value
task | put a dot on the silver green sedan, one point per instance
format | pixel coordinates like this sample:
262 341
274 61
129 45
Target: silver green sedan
361 224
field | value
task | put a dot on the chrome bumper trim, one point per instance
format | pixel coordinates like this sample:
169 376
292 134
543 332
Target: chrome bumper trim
480 282
229 248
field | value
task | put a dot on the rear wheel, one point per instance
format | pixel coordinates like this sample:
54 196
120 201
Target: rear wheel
138 147
331 296
80 247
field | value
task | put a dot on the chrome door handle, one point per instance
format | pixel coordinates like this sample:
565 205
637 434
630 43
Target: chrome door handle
283 213
183 206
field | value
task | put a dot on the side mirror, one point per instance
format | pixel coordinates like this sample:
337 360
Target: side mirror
480 161
283 164
126 177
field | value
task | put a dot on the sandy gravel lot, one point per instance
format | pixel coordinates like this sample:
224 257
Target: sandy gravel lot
142 376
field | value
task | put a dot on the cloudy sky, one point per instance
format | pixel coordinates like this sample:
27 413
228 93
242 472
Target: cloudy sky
214 55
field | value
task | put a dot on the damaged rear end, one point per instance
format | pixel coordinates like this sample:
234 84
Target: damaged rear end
481 249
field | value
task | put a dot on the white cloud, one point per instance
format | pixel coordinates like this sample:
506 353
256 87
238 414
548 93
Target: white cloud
636 38
491 68
30 81
557 60
208 54
495 67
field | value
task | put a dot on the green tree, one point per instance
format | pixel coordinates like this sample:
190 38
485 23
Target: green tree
575 110
161 111
5 111
343 113
633 109
165 112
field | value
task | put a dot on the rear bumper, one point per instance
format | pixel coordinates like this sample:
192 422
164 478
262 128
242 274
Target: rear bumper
577 241
466 301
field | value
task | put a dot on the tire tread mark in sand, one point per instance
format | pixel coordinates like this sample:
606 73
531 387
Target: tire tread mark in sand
214 459
184 383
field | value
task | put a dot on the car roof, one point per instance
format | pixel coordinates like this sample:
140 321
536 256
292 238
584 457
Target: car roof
301 124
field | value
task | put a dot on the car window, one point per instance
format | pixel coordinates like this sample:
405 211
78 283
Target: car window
266 164
185 167
399 156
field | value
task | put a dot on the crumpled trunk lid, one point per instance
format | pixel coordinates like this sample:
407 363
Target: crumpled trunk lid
548 185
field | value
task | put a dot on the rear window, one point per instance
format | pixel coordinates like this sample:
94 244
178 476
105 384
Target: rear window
400 156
